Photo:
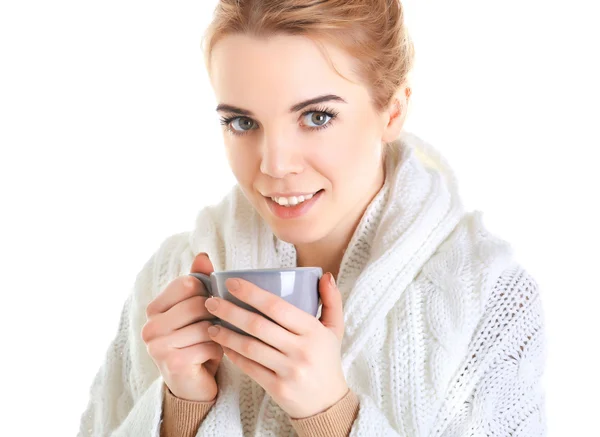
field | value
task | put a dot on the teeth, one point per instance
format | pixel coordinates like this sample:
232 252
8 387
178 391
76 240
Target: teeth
292 201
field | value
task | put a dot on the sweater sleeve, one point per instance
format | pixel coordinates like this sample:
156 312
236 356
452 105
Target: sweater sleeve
182 418
126 394
113 409
508 352
336 421
504 396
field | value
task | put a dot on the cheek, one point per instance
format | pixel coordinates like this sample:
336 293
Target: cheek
349 154
363 154
340 169
241 163
352 171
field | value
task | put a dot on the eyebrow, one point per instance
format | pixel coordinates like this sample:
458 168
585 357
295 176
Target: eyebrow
295 108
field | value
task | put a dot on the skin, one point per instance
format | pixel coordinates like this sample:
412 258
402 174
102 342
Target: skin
297 359
272 149
274 144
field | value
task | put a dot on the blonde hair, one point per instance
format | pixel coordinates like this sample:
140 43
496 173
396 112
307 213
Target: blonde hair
373 32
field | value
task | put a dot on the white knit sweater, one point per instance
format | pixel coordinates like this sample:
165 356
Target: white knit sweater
444 330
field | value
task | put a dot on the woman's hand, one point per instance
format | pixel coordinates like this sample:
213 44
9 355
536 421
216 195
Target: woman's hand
177 339
297 363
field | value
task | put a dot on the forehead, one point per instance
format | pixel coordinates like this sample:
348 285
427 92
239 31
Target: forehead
277 71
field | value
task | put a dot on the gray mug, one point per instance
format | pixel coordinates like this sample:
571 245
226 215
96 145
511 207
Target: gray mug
296 285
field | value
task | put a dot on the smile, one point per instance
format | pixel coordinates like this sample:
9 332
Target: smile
293 200
294 206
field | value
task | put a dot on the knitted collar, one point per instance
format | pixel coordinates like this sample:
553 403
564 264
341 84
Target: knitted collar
413 213
416 209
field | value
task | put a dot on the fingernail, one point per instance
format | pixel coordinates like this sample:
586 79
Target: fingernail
233 284
213 330
212 304
331 279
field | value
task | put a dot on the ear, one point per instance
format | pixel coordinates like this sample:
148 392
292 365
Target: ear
395 115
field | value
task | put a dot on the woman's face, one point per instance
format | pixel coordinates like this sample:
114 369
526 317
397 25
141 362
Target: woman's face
282 149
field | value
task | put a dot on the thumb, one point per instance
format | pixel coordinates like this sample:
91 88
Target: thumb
332 315
202 264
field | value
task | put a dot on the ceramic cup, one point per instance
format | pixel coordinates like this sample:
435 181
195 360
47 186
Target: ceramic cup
298 286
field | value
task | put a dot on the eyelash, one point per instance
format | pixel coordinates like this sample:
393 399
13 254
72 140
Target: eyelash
332 114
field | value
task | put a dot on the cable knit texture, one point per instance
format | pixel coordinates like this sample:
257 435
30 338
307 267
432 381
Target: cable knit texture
443 328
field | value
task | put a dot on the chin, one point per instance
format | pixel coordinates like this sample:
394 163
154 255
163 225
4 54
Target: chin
297 233
308 228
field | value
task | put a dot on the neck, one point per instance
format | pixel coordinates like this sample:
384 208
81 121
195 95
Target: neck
328 252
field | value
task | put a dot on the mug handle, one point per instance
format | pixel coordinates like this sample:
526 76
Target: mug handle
205 279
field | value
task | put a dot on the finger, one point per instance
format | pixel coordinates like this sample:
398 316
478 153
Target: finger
195 333
178 290
281 312
201 353
202 264
256 325
251 348
263 376
185 313
182 287
189 335
179 361
332 315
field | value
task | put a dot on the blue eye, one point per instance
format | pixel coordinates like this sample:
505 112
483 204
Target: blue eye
242 124
319 119
238 125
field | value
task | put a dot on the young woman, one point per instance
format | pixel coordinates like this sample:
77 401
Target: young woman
428 326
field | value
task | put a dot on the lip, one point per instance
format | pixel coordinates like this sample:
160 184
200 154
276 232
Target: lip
292 212
295 194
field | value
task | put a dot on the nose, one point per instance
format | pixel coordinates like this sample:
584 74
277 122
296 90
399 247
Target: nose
280 157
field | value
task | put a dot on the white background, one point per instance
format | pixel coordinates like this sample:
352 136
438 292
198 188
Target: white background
109 142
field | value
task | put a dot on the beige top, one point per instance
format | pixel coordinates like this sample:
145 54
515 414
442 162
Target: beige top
182 418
